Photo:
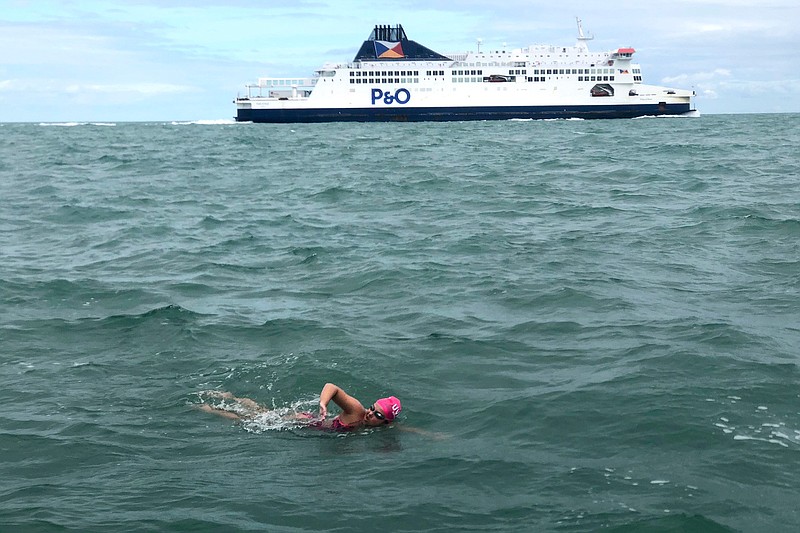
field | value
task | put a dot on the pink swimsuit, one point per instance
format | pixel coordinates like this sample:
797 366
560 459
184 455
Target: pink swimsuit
338 425
335 425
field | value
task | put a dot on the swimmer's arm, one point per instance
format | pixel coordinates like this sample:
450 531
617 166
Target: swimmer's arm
352 408
247 402
220 412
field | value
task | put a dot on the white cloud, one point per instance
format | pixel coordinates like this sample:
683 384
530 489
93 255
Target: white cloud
709 94
697 76
761 87
143 89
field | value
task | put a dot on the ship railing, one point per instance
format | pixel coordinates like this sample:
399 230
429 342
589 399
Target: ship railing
267 86
285 82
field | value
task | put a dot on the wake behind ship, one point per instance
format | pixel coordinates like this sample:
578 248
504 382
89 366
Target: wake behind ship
393 78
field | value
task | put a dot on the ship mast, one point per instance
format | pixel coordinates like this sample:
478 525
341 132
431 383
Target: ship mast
582 38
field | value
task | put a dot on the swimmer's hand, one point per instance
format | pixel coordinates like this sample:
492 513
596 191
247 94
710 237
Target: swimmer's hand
323 411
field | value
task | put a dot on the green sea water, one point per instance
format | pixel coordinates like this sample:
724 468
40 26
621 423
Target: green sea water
595 324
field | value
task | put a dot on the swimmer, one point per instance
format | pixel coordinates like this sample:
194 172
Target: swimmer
353 416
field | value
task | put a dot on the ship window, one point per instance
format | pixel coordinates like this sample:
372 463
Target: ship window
611 78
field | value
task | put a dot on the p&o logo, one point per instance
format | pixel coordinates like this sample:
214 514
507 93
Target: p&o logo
401 96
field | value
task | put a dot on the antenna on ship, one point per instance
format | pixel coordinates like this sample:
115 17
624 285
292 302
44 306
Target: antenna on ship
479 41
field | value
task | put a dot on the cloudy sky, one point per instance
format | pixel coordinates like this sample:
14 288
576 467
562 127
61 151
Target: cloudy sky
162 60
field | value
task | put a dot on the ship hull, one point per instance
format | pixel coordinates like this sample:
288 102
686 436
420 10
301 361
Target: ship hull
449 114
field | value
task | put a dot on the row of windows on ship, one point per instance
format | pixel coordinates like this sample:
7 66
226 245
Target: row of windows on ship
535 72
466 76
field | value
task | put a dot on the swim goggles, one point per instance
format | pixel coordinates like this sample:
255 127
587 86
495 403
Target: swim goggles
378 414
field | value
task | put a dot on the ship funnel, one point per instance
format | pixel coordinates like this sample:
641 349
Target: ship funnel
388 33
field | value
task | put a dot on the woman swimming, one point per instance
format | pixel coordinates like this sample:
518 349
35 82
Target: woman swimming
353 415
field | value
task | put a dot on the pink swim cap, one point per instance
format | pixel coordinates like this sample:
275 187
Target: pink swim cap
390 406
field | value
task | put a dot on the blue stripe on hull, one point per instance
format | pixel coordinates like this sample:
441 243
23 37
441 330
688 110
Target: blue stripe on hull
441 114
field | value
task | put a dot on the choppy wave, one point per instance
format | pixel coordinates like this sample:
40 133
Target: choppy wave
591 324
72 124
206 122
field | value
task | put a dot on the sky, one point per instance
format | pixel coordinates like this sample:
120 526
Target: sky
176 60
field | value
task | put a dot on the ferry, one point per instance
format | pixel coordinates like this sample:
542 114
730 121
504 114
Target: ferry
393 78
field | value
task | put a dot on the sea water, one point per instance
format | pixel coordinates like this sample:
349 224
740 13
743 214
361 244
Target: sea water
592 325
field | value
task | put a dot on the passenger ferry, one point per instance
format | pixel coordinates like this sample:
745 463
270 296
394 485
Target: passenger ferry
393 78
